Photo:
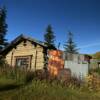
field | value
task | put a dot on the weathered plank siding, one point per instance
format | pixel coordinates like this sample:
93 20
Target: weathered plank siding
79 70
35 51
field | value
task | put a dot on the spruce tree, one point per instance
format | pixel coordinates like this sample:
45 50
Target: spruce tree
70 46
3 28
49 36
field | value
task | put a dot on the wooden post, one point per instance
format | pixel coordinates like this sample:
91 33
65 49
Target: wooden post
35 59
11 58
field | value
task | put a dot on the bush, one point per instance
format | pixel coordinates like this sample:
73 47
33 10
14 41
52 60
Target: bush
96 70
29 76
93 82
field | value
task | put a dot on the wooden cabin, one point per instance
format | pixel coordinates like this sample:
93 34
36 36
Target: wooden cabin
26 52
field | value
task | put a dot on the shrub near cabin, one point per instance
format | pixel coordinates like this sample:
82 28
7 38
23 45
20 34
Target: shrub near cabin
55 63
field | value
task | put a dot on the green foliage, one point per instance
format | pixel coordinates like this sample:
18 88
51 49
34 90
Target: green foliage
3 27
43 90
96 55
96 70
8 84
13 86
49 36
70 46
16 74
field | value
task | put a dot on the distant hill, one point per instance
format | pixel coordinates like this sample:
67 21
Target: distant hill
96 55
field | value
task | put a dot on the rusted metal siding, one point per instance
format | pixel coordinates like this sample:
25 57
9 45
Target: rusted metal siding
55 62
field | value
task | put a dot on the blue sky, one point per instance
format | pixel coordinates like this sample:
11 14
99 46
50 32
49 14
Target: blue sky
31 17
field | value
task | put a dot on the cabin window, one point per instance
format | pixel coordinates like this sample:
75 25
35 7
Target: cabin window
23 61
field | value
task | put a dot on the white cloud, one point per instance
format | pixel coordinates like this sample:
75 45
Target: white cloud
90 45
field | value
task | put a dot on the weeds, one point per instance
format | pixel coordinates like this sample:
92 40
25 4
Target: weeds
42 86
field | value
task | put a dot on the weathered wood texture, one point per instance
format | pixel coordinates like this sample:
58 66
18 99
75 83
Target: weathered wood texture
36 51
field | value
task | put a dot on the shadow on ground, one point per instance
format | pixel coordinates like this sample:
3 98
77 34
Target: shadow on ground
9 87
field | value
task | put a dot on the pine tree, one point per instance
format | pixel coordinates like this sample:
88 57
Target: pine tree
49 36
3 27
70 46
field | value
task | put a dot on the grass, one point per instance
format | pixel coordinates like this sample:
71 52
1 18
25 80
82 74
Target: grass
42 90
14 86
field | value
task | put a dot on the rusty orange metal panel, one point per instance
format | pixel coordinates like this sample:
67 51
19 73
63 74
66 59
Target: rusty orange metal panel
55 62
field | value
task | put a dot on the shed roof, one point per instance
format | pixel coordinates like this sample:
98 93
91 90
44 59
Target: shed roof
19 39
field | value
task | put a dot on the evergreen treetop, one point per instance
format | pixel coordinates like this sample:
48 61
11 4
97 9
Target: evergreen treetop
49 36
3 27
70 46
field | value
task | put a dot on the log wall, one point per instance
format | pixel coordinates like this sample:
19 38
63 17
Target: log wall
35 51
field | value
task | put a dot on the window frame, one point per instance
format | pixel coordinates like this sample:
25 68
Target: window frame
29 57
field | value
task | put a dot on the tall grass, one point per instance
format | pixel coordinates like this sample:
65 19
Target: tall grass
42 86
11 78
43 90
